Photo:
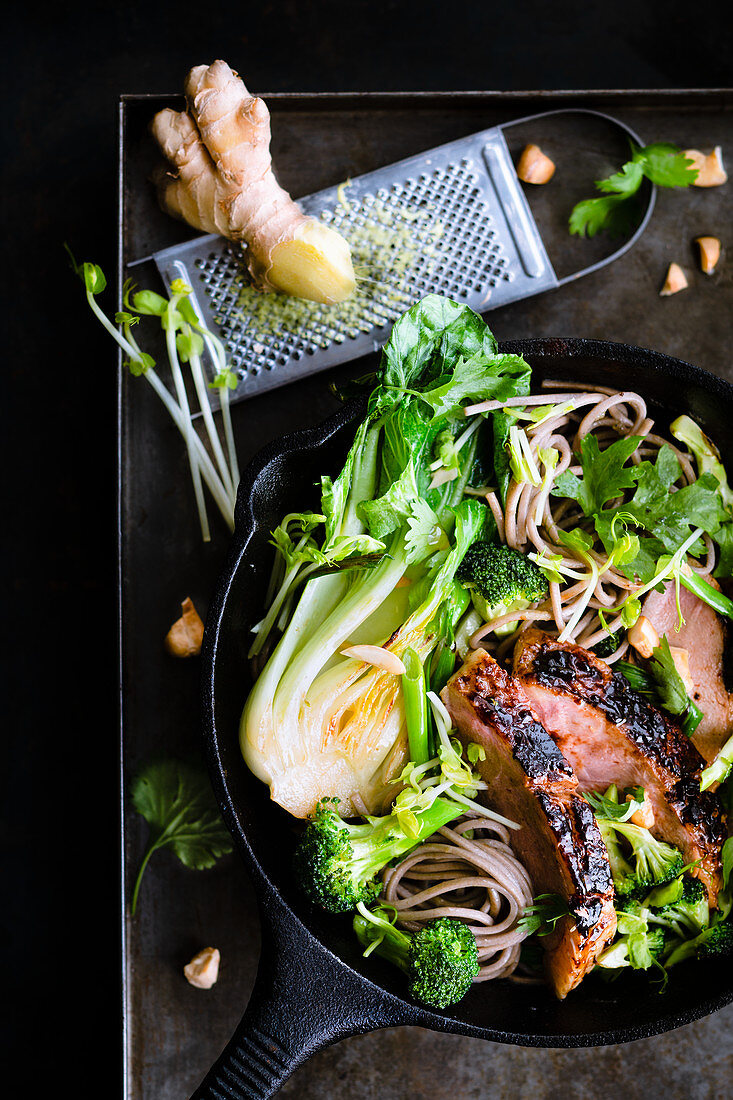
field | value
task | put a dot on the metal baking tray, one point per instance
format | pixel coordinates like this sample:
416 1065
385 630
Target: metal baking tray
172 1031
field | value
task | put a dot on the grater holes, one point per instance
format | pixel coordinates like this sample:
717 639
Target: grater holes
436 233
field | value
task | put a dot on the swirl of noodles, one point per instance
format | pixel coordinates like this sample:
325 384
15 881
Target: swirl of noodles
468 871
533 520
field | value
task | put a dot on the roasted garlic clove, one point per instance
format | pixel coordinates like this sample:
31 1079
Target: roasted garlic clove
203 969
534 166
709 253
187 633
675 281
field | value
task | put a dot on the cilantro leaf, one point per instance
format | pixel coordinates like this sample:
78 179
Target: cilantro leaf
665 165
670 516
178 804
670 687
619 207
613 810
423 532
605 475
481 377
615 213
667 516
624 182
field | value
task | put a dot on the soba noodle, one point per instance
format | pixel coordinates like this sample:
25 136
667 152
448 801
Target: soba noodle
475 878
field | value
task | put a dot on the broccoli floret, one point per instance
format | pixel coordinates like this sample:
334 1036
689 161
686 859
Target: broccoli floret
623 875
681 906
501 580
440 960
713 942
636 944
651 862
336 862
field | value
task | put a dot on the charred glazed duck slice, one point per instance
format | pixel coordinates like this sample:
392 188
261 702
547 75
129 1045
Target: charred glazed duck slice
611 734
705 637
530 781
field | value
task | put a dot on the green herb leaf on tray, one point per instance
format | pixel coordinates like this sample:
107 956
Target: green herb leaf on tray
178 804
618 208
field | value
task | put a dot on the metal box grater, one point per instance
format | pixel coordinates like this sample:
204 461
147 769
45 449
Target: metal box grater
453 220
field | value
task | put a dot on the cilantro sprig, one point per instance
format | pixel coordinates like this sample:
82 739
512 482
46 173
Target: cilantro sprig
617 208
178 804
662 684
607 805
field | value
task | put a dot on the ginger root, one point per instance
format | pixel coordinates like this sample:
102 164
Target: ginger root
221 181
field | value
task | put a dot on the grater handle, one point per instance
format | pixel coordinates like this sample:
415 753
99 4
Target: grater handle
652 190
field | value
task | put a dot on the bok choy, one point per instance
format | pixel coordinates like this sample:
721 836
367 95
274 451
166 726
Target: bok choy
375 566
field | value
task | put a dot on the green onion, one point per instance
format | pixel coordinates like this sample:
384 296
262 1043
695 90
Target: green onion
416 706
709 595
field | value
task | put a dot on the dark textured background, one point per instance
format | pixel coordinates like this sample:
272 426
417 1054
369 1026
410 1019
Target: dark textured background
64 69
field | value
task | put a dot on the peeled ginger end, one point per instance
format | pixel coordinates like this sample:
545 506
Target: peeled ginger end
316 265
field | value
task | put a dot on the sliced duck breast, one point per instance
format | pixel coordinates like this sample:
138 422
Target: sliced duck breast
531 782
611 734
705 636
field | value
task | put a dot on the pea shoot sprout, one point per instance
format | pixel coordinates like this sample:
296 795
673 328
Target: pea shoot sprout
186 337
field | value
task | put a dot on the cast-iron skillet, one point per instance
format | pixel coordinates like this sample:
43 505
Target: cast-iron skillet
313 986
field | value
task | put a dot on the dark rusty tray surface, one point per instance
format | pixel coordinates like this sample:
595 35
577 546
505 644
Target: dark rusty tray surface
174 1032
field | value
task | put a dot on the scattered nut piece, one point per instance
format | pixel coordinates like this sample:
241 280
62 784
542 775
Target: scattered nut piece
710 170
675 281
187 633
681 658
643 637
376 655
203 969
645 815
709 253
534 166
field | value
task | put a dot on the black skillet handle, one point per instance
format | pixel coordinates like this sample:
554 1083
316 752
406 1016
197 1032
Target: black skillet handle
304 999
